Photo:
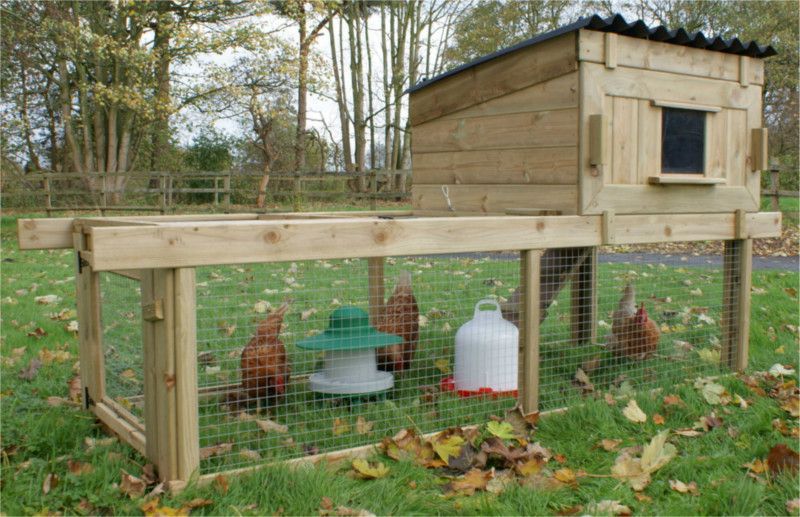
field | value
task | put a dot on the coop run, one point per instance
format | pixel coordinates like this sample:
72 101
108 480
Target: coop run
221 343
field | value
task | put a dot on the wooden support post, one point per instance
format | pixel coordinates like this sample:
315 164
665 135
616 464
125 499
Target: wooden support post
48 198
528 381
162 187
170 379
216 190
737 269
186 400
373 202
610 44
226 197
774 185
583 300
375 286
90 330
105 195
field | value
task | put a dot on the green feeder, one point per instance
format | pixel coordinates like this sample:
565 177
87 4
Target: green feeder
349 343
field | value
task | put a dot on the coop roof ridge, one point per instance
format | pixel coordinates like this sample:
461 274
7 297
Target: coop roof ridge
617 24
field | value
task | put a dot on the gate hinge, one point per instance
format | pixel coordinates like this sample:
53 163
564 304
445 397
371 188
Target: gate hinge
81 262
87 400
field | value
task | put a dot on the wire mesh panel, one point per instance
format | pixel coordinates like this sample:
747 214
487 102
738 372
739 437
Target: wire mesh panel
122 340
658 322
316 409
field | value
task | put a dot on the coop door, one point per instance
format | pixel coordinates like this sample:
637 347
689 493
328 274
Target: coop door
664 143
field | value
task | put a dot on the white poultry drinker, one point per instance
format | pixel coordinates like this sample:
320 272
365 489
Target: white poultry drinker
486 355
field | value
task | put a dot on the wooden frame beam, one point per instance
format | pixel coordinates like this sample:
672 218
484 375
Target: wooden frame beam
188 244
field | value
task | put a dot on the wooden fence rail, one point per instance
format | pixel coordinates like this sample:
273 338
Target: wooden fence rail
105 194
774 192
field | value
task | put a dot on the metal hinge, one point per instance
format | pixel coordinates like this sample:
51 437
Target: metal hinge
81 262
87 400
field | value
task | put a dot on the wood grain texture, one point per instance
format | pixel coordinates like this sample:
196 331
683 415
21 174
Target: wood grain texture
496 198
495 78
665 57
508 131
557 93
186 394
544 166
90 330
737 274
528 382
207 243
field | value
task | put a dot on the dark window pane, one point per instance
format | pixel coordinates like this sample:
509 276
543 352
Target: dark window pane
682 141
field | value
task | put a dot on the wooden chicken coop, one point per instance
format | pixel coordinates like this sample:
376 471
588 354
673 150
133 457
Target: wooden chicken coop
526 163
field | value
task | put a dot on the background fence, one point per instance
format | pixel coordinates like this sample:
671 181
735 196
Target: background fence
167 191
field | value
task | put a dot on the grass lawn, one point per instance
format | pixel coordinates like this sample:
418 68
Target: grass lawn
42 439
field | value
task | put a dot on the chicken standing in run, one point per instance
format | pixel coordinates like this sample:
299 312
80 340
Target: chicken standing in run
399 316
633 334
264 366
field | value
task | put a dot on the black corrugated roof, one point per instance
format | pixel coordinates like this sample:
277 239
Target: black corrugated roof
618 24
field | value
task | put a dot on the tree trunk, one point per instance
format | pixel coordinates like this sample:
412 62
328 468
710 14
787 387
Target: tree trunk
341 101
262 186
33 158
372 157
302 93
357 82
160 133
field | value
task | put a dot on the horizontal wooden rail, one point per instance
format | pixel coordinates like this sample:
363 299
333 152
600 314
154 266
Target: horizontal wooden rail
200 243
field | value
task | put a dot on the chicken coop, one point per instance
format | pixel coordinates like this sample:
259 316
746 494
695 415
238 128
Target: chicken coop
220 343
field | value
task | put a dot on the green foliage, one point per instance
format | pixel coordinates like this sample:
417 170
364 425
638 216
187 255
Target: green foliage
210 151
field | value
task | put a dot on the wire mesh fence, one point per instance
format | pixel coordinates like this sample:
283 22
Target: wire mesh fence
307 357
121 322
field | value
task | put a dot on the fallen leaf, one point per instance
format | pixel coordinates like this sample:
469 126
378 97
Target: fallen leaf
48 299
608 507
583 382
521 422
658 419
592 364
37 333
471 481
75 388
72 327
221 482
609 445
503 430
249 454
49 483
59 401
363 426
269 425
443 365
215 450
261 307
709 355
637 471
757 466
131 486
78 468
196 503
369 470
634 413
783 458
447 444
791 291
683 488
29 373
307 313
62 315
777 370
566 476
642 498
340 427
792 405
689 433
91 443
793 505
715 394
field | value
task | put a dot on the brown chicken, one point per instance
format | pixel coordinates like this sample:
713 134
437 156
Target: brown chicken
399 316
264 367
633 334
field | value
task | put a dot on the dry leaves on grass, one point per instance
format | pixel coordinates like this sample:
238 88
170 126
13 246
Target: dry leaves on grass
608 507
269 425
473 480
363 426
132 486
368 470
215 450
609 444
634 413
30 373
684 488
49 483
782 458
637 471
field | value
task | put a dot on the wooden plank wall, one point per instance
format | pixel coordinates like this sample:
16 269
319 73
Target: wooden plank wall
502 135
644 72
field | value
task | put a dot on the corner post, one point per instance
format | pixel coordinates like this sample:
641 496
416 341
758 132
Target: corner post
186 401
528 377
90 330
737 270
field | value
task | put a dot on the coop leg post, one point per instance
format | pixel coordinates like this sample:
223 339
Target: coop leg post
158 319
530 271
583 300
187 436
376 286
90 330
737 269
